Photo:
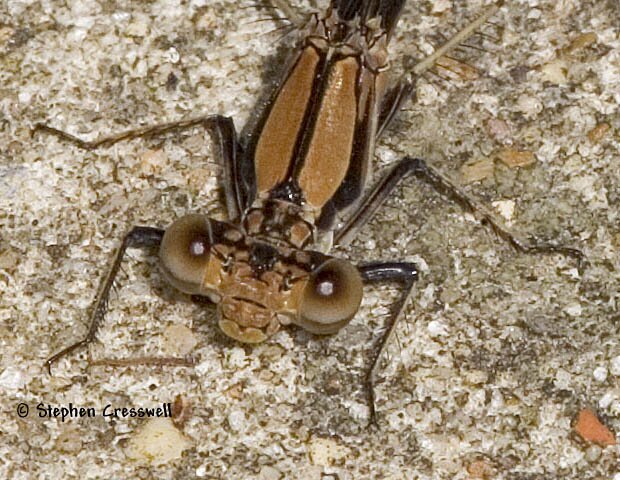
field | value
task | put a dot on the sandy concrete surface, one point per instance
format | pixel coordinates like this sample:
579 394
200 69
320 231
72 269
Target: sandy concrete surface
499 350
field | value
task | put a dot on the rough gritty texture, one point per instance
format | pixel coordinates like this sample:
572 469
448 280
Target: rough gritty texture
499 350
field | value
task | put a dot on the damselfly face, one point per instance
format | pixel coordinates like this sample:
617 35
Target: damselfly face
258 286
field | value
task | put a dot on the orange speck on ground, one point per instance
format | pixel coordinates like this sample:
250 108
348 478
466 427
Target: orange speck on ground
515 158
598 133
590 428
477 170
480 470
582 41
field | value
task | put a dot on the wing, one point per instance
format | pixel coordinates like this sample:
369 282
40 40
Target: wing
314 142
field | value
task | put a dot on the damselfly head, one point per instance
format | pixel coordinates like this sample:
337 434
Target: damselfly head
258 287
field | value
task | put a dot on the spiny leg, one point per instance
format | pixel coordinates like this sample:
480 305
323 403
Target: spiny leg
395 98
138 237
222 130
406 274
391 103
457 39
144 361
288 11
238 176
208 121
418 168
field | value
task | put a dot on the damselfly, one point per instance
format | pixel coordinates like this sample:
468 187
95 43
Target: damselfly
297 184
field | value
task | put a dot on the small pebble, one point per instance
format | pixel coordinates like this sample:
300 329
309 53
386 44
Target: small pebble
152 161
181 411
9 259
178 340
437 329
481 469
600 374
574 309
499 130
506 208
440 6
326 451
615 366
476 171
69 441
158 442
515 158
269 473
236 420
195 143
137 28
598 133
528 105
582 41
236 391
590 428
593 453
607 399
6 33
555 72
476 377
12 379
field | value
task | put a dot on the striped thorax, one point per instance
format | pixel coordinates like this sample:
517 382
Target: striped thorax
310 154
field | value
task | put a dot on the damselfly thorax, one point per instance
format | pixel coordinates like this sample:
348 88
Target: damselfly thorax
297 183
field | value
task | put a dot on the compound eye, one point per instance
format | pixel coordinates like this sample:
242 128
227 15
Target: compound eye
184 252
331 297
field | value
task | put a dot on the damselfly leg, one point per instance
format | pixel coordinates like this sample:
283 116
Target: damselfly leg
224 136
405 274
418 168
138 237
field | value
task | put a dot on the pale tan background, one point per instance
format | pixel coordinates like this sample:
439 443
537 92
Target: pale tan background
499 350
